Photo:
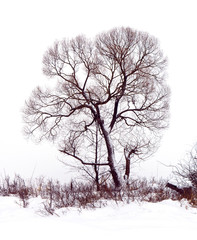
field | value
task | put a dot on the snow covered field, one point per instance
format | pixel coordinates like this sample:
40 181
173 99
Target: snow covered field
165 220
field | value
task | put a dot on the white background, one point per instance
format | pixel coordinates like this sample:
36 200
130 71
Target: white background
28 28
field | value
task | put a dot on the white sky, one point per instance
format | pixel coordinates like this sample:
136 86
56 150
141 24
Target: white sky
28 28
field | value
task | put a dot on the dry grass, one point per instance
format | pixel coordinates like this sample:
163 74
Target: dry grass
85 195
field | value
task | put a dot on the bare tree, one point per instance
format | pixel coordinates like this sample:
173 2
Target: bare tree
114 84
187 169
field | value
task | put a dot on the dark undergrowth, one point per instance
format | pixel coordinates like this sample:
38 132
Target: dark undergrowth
84 195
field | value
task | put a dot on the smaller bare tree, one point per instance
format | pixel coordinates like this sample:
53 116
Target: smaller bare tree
187 169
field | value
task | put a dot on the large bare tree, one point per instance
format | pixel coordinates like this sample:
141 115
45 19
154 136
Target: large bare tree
111 97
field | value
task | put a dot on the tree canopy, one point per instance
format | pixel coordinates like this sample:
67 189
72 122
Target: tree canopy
111 99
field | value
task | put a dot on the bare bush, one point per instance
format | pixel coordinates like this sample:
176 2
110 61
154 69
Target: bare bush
85 195
186 172
187 169
16 187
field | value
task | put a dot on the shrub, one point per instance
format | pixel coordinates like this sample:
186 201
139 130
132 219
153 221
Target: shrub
85 195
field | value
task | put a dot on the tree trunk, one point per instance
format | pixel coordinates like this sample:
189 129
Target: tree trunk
111 157
127 168
185 192
114 173
96 168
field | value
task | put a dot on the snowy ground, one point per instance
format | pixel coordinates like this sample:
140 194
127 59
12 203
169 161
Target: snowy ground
164 220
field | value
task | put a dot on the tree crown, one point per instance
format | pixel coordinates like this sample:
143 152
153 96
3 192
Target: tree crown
112 87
